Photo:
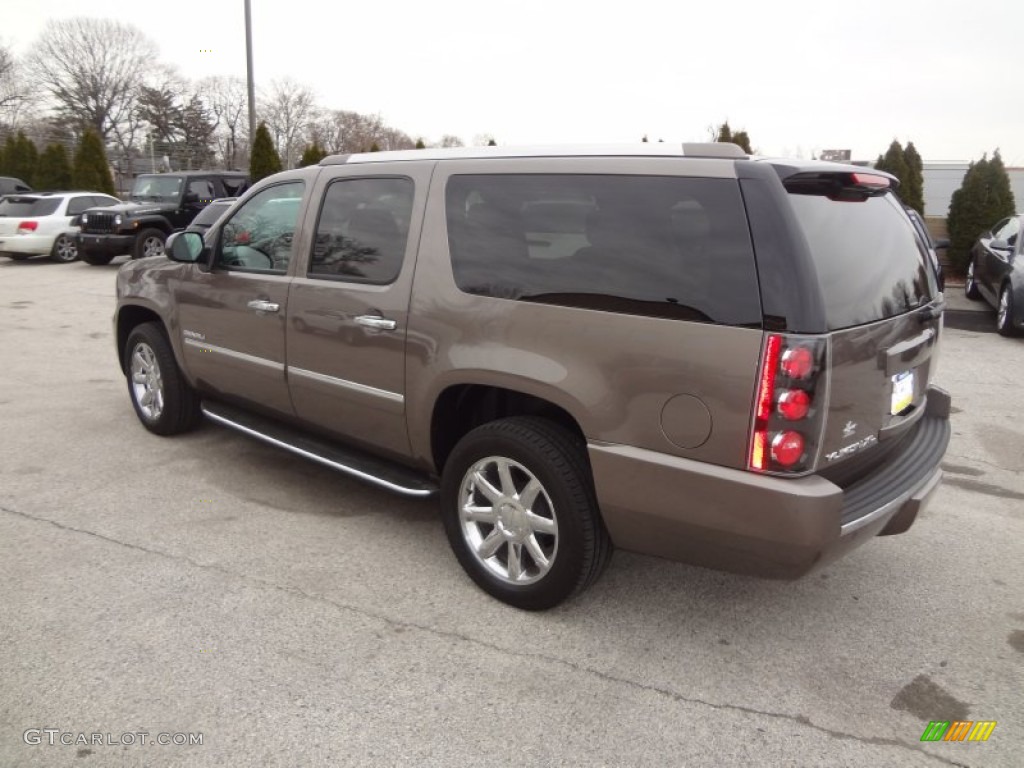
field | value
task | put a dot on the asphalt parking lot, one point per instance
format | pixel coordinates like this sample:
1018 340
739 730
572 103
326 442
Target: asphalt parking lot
212 585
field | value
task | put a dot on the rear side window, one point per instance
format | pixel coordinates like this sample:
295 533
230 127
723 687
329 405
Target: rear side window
660 246
871 265
362 230
29 206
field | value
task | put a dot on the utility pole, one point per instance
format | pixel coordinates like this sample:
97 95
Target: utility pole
248 72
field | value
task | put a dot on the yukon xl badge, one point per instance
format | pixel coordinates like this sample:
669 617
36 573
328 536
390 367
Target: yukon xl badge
852 448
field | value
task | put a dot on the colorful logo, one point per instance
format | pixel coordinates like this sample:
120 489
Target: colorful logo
958 730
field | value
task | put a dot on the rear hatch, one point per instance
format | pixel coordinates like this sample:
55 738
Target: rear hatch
16 210
882 312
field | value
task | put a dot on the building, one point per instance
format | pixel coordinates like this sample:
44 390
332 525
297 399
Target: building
941 180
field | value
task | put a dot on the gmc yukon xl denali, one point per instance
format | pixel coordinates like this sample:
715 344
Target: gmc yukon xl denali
679 351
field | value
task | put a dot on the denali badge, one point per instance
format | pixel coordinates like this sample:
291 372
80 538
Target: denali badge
849 429
193 335
860 445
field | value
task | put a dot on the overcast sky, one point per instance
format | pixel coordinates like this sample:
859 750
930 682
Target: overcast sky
798 75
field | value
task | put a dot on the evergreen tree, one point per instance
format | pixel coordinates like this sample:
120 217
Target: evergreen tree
984 198
312 155
912 191
420 144
741 139
265 160
21 158
894 162
91 171
724 132
644 139
492 143
54 170
5 152
375 147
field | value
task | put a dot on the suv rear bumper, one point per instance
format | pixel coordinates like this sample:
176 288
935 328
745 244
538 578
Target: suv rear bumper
740 521
115 245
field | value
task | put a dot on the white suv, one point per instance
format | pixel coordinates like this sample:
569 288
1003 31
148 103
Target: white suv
44 223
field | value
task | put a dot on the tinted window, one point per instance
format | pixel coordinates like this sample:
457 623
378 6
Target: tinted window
362 230
99 200
16 205
202 190
648 245
210 214
259 234
1008 231
77 205
871 265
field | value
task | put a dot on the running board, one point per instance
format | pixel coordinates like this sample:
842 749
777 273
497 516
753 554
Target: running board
390 475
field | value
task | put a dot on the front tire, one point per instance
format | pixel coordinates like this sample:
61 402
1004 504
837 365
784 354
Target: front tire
64 250
971 284
163 400
520 511
150 242
1005 313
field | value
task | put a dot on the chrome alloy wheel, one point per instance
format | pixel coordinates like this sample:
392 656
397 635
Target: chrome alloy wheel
147 383
65 249
508 520
152 246
1002 314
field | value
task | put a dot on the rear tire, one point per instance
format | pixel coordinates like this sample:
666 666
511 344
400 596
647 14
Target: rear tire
970 284
96 259
64 250
163 400
150 242
1005 313
519 508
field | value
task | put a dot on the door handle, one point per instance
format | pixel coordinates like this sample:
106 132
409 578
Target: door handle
376 321
260 305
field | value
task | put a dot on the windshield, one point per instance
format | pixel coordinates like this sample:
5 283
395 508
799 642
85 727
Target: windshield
163 189
870 262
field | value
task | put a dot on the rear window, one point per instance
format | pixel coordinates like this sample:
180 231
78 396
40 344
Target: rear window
661 246
29 206
870 263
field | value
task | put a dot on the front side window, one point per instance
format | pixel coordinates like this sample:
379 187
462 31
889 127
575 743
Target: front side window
660 246
362 230
259 235
200 190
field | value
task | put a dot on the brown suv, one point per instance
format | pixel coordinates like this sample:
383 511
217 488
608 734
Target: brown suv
680 351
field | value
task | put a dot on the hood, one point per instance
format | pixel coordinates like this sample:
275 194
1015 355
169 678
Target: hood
135 208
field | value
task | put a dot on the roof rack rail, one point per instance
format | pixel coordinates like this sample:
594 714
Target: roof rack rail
724 149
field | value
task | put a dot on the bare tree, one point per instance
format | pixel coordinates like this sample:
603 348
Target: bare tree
448 140
226 99
15 93
93 69
289 107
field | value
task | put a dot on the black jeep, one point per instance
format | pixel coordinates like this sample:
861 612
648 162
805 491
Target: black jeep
158 205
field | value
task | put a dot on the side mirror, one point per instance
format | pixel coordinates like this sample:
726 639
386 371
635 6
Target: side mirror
941 244
186 247
1000 245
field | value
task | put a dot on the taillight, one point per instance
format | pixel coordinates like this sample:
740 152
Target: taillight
794 404
786 419
787 448
27 226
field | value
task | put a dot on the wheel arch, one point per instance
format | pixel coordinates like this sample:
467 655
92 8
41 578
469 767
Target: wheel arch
129 317
461 408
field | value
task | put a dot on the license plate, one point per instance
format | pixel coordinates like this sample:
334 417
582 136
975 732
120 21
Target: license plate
902 391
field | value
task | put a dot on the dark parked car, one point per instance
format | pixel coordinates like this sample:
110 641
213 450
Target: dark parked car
933 246
209 215
160 203
9 184
996 274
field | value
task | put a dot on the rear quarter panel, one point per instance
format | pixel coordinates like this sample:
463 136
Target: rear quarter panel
614 373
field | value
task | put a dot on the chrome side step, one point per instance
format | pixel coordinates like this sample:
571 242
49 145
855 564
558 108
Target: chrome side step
394 477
